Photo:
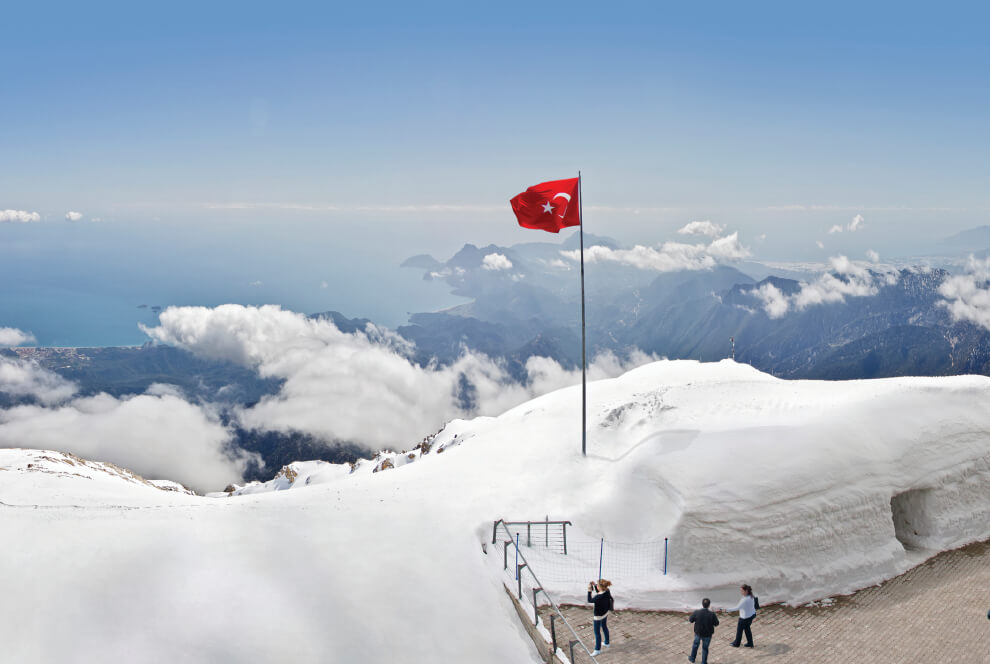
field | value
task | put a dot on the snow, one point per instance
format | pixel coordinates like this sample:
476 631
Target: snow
792 486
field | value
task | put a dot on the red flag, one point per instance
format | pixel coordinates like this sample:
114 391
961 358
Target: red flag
549 206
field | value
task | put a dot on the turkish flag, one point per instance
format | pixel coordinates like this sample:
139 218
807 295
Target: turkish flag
549 206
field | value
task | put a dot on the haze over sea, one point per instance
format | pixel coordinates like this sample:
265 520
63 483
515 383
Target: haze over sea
75 285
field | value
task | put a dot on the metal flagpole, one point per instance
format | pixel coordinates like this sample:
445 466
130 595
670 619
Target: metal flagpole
584 359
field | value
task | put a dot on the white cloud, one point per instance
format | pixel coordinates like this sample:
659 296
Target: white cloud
324 285
669 256
24 378
359 387
967 296
11 336
73 216
873 256
546 375
159 436
854 225
844 278
496 262
702 228
820 244
257 283
775 303
22 216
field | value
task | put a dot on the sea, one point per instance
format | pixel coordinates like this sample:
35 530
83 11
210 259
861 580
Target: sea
93 285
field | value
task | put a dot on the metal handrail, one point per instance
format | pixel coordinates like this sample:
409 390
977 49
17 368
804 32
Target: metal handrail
529 525
525 564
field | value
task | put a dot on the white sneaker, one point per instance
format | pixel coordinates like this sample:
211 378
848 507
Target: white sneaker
607 645
596 653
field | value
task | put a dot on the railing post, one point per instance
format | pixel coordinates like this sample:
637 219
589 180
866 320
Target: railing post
553 632
494 529
529 525
665 556
601 556
546 534
505 554
519 578
572 649
536 613
564 526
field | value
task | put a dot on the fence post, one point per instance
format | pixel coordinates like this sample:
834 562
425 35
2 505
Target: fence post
536 614
601 555
505 554
517 556
494 529
665 556
519 578
572 649
553 632
546 534
529 539
564 528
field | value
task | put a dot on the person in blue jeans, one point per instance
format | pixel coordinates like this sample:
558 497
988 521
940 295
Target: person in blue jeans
747 611
603 604
705 622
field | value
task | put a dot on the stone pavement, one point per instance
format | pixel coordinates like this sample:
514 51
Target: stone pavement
934 614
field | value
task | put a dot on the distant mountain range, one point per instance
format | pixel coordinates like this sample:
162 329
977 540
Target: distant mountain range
533 309
524 302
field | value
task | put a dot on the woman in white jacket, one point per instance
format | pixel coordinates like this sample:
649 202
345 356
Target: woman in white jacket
747 610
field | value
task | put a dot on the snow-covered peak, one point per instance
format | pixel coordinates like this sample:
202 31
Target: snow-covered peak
47 477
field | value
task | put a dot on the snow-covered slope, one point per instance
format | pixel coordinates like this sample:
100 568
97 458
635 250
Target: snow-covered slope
794 487
44 478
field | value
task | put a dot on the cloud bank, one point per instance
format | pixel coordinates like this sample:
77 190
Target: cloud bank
845 278
24 378
73 216
967 296
671 256
360 387
158 434
21 216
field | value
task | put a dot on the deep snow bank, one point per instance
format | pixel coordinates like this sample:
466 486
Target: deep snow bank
805 488
801 488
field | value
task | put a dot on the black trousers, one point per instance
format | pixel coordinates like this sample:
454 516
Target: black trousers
743 627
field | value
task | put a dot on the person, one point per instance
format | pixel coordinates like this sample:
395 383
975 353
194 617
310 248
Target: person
705 622
747 611
603 604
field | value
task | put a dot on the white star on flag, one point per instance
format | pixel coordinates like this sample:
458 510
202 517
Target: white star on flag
548 208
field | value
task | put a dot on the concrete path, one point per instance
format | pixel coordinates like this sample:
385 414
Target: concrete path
933 614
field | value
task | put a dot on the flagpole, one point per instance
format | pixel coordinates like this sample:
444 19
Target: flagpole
584 358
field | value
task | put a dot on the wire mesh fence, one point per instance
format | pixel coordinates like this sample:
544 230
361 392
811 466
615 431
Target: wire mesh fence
544 558
565 556
523 577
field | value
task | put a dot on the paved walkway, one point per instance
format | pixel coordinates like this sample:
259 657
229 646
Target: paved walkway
933 614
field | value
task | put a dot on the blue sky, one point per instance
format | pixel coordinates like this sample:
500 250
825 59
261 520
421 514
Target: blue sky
401 128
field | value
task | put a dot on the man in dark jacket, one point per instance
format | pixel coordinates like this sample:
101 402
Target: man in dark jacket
704 626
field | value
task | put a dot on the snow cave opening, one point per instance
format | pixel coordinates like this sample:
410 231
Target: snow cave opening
912 514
